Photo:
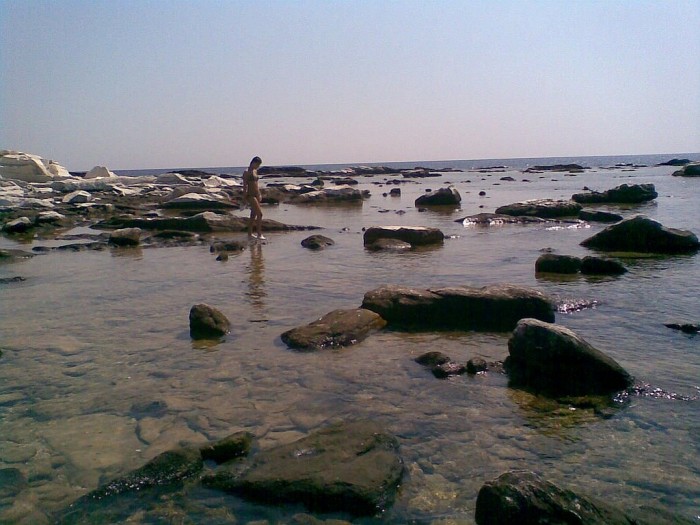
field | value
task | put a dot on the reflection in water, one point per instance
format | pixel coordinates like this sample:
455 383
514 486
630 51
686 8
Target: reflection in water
256 278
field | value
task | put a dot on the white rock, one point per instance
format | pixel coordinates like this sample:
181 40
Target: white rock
49 217
99 172
126 192
30 168
77 197
218 182
172 179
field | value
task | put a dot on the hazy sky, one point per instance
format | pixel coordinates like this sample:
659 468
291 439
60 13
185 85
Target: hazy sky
140 84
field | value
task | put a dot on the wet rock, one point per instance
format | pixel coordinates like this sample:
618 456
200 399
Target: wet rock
388 245
11 255
554 361
19 225
525 498
345 181
337 328
432 359
641 234
77 197
12 482
494 307
553 263
495 219
440 197
599 216
544 208
625 194
687 328
231 447
330 195
125 237
49 217
223 256
600 266
227 246
414 235
15 279
675 162
395 192
691 170
197 201
556 167
317 242
206 321
445 370
350 467
476 365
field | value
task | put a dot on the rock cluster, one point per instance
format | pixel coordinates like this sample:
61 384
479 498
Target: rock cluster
625 194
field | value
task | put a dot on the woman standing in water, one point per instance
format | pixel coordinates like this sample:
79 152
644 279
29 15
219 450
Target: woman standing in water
252 195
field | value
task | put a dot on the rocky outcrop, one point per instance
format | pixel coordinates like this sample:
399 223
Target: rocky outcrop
599 266
206 321
335 329
554 361
691 170
525 498
553 263
350 467
675 162
544 208
440 197
26 167
641 234
496 307
125 237
414 235
317 242
599 216
623 194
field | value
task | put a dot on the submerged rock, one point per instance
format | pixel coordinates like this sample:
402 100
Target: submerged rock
231 447
317 242
687 328
544 208
554 361
553 263
440 197
495 307
206 321
599 216
600 266
641 234
337 328
414 235
445 370
350 467
525 498
624 194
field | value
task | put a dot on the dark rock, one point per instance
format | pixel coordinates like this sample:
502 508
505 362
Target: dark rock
15 279
685 328
206 321
556 167
476 365
432 359
625 194
414 235
231 447
349 181
19 225
495 219
599 216
338 194
440 197
448 369
337 328
482 193
227 246
545 208
125 237
223 256
285 171
675 162
194 173
495 307
12 482
554 361
508 179
552 263
691 170
395 192
524 498
350 467
641 234
317 242
599 266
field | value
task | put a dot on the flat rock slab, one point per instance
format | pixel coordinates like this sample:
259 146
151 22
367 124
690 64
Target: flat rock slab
350 467
525 498
644 235
495 307
599 216
413 235
552 360
545 208
623 194
335 329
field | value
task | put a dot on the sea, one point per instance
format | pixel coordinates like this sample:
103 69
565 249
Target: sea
98 373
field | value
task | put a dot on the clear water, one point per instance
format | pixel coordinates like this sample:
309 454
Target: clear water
98 373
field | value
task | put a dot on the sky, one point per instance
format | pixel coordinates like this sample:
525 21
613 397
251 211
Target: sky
135 84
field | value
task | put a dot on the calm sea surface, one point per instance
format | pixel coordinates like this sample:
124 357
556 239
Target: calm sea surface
98 373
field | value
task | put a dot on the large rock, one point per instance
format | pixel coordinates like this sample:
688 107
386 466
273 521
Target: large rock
350 467
691 170
641 234
19 225
600 266
599 216
544 208
125 237
495 307
414 235
624 194
553 263
207 321
317 242
524 498
231 447
554 361
15 165
337 328
440 197
337 194
99 172
194 201
77 197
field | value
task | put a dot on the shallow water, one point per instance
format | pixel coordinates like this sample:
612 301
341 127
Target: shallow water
98 373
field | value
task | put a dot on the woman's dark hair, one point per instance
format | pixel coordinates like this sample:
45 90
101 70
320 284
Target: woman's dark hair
256 159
